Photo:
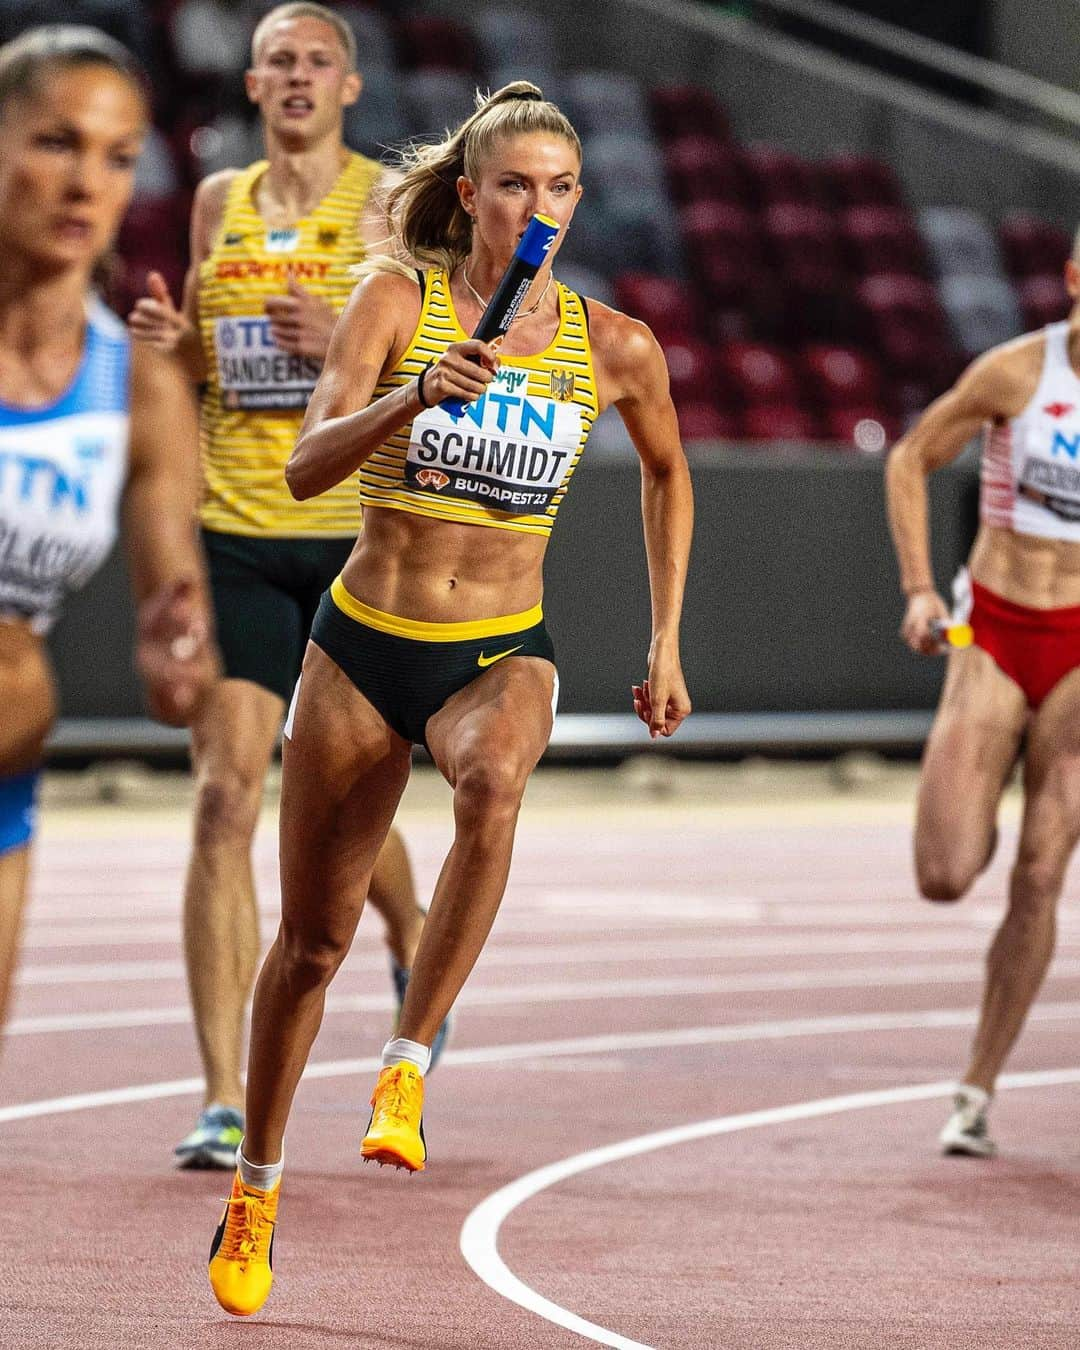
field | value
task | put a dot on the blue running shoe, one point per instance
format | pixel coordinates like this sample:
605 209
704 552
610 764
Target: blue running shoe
213 1142
400 977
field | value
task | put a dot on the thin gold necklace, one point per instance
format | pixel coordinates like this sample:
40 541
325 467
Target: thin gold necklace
521 314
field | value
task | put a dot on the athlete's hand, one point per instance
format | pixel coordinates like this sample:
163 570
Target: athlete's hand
463 371
155 319
175 652
923 610
301 323
662 701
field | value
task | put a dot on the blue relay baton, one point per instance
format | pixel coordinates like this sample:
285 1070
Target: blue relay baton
529 256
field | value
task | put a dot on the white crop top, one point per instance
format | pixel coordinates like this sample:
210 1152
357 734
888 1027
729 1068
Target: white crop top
1031 464
62 472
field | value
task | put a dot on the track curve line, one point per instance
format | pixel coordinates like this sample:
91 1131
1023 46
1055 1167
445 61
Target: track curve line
479 1235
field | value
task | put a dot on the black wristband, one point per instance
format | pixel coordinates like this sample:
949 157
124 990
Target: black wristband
420 386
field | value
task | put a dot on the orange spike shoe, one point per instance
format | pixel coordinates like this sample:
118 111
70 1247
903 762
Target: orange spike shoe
242 1253
395 1134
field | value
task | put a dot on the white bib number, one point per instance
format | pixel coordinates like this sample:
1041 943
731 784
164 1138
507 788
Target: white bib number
507 451
256 374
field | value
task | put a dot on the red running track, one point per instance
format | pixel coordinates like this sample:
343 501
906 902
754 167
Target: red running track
656 967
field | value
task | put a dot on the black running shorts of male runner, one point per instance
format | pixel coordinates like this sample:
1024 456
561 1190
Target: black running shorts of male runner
265 594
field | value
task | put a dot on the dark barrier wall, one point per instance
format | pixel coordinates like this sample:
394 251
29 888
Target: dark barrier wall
792 603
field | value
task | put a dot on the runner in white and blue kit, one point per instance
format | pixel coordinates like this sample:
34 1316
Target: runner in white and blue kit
90 429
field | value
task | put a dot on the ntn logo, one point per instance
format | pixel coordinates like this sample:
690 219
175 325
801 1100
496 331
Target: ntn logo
1066 445
498 409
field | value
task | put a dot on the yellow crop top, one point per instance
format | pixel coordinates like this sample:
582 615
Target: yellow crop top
256 394
508 459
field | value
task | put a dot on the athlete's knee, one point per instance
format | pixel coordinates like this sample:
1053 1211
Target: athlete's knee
943 878
310 958
227 807
489 788
1036 884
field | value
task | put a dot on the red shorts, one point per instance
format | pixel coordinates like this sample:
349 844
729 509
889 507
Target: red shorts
1034 647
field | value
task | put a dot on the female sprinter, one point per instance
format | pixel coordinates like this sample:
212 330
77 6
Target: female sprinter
86 424
433 632
272 249
1018 680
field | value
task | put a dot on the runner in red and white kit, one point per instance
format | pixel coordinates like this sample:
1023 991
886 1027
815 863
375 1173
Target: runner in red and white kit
1019 679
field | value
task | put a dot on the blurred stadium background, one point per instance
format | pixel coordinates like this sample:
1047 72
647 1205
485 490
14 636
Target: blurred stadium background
823 211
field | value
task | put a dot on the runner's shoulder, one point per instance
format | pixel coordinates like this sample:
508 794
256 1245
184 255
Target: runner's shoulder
1005 377
211 194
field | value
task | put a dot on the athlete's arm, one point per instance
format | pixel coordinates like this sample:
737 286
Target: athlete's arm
155 320
341 426
632 374
175 652
994 387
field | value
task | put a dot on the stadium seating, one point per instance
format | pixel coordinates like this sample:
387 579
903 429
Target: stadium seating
982 311
961 243
796 297
882 239
1033 247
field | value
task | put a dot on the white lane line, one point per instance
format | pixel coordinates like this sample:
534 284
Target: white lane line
676 1038
565 991
605 919
479 1235
921 939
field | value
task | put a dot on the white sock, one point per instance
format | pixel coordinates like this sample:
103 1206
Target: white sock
412 1052
977 1096
263 1178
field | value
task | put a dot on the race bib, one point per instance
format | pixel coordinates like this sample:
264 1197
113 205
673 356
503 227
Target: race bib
1056 487
508 450
255 374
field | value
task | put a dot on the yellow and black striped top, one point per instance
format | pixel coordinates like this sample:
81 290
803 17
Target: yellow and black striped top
507 460
256 394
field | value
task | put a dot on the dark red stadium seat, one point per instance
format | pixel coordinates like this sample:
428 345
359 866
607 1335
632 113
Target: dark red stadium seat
838 377
883 239
758 372
779 422
1043 300
779 177
707 422
687 110
703 168
431 43
705 222
692 369
1032 246
907 326
860 180
805 243
848 426
668 306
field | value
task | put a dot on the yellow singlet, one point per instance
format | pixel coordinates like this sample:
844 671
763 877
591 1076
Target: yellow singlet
508 459
255 393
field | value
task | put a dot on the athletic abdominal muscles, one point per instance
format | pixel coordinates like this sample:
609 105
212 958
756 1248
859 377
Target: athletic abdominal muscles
1027 569
443 571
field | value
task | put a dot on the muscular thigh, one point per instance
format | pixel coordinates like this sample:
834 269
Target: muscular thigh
343 772
236 732
505 714
970 752
1051 823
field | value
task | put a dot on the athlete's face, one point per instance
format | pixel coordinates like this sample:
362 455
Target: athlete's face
67 164
521 177
301 80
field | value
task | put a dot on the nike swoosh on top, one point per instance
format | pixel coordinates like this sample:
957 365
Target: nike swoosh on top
483 660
